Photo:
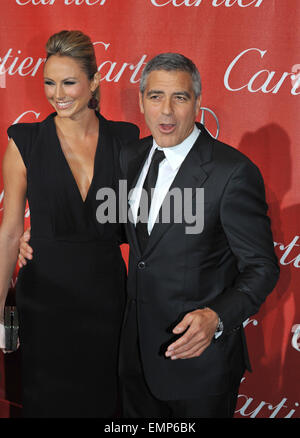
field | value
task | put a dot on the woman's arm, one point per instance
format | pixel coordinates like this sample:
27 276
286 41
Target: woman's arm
11 229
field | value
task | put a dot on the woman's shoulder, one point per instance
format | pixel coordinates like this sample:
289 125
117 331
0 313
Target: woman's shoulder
25 135
27 131
21 129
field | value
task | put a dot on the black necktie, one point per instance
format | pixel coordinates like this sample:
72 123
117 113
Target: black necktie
148 187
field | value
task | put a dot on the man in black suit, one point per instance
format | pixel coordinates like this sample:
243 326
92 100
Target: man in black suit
183 349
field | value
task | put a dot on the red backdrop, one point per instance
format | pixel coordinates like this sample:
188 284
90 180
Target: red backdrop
247 52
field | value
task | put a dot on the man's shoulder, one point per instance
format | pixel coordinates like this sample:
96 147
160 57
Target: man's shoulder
137 146
228 155
134 150
222 155
229 162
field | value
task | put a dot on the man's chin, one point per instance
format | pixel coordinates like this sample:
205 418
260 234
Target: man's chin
166 141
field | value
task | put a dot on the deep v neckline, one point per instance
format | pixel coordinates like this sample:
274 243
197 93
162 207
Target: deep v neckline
83 201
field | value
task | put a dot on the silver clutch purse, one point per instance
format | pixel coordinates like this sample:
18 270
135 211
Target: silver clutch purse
11 326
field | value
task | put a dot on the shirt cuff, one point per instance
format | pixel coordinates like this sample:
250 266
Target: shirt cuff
219 329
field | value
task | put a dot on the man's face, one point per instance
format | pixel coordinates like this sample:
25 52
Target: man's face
170 106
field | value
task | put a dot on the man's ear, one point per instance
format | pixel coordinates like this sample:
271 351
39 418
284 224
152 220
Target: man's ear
198 105
141 104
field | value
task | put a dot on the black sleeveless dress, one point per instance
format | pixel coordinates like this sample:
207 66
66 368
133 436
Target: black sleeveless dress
71 296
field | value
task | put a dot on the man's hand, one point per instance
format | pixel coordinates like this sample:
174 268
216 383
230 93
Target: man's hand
25 251
200 326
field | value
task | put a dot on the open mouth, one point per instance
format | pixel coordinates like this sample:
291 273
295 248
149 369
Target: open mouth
167 128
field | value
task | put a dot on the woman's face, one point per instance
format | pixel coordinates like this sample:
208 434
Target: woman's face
67 86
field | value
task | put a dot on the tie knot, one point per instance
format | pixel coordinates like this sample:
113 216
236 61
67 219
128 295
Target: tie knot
158 156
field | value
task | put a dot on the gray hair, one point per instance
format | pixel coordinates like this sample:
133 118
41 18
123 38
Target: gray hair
172 62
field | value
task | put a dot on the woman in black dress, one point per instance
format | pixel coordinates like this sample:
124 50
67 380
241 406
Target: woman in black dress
70 296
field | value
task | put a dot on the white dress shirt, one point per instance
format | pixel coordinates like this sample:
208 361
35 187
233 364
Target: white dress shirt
167 171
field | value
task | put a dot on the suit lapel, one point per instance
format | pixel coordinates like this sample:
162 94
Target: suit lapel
136 164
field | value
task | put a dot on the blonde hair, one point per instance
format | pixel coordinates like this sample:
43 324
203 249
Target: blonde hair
77 45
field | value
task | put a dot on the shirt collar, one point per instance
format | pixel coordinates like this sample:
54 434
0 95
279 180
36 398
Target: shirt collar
176 154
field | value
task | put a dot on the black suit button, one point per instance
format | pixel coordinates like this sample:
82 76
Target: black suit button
141 265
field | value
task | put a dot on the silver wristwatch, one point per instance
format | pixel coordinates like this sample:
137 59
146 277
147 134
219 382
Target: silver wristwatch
220 326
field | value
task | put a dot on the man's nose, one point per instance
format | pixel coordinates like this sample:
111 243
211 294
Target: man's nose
167 107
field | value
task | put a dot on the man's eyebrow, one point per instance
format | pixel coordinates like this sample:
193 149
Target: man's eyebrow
154 92
182 93
176 93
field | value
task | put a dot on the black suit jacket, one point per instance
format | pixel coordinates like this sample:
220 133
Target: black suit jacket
230 267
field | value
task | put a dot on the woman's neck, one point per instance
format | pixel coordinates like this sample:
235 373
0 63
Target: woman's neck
83 125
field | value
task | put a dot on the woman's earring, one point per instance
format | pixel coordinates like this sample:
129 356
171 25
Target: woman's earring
93 103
